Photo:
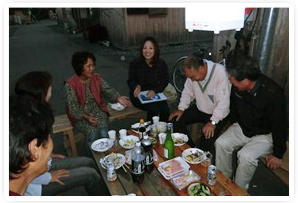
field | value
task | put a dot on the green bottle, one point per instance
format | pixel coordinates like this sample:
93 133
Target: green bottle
169 149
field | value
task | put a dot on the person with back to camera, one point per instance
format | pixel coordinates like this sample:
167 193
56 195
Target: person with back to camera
85 92
64 172
30 143
259 121
207 83
149 72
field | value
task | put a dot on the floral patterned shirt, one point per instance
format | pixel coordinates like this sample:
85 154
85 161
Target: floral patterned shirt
90 107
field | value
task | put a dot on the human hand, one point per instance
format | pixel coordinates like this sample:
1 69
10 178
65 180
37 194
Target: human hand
137 91
273 162
177 113
208 130
124 101
56 175
150 94
59 156
92 120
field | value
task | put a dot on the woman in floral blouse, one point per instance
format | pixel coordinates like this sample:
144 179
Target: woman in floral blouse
84 95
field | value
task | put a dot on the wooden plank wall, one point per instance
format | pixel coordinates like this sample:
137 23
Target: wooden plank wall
114 20
128 31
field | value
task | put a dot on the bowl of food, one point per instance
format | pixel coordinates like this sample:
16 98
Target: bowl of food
161 127
198 189
193 155
128 142
179 139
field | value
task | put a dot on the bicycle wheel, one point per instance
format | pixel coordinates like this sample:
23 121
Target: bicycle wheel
178 75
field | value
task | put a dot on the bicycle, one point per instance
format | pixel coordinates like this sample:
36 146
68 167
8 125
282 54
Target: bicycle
178 76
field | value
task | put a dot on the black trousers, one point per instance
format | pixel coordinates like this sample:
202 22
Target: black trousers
160 109
194 115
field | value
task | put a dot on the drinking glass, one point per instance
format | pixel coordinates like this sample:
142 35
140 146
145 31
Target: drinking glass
207 159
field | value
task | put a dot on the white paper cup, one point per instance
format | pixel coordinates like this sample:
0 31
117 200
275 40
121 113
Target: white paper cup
155 119
162 138
123 133
112 135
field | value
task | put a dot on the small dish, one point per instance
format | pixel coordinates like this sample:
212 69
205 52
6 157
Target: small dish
117 107
118 159
179 139
193 155
198 189
128 142
102 145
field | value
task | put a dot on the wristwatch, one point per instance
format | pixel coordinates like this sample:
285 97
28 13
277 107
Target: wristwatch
213 122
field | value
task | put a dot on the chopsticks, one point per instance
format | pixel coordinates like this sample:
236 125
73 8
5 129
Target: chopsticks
124 168
128 168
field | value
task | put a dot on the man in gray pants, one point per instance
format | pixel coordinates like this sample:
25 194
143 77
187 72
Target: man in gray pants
259 118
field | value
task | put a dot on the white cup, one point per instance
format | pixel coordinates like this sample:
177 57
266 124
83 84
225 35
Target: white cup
162 138
122 133
155 119
112 135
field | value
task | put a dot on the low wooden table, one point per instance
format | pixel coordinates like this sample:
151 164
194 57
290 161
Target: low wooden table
155 184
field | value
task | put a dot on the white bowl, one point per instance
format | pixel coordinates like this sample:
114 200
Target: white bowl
128 142
161 127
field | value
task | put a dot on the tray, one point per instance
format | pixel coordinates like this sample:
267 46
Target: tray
182 180
173 167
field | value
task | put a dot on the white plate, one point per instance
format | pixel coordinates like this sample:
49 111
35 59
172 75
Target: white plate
179 136
128 142
189 151
137 125
117 107
175 136
118 159
102 145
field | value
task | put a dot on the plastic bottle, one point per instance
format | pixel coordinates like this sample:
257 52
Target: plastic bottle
147 145
169 144
142 129
137 163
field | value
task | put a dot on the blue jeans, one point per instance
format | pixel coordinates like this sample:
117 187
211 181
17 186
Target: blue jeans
95 135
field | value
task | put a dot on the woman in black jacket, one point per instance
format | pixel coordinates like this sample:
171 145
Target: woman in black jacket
149 72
